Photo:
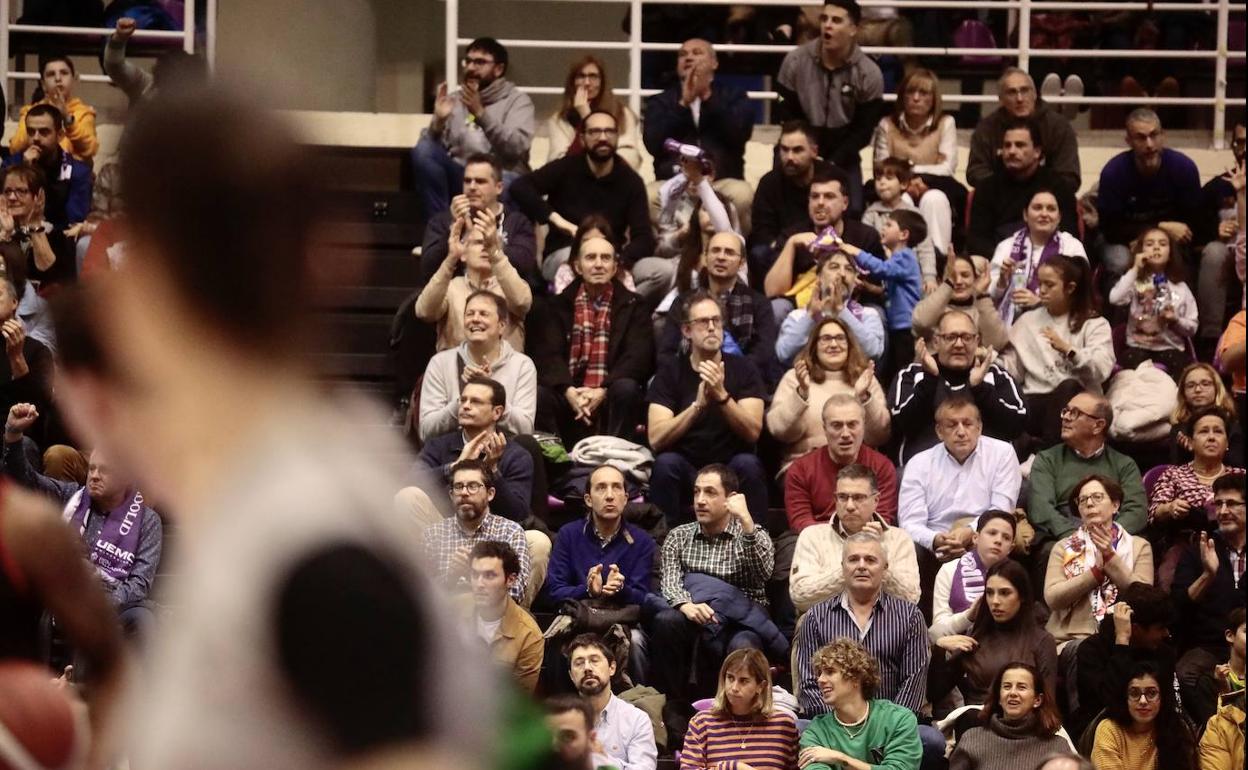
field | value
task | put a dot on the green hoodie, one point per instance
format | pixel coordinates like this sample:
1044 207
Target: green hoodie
890 740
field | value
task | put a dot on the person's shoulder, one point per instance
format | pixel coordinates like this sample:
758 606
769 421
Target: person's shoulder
811 460
894 712
1178 159
499 524
996 445
866 68
520 618
873 458
682 532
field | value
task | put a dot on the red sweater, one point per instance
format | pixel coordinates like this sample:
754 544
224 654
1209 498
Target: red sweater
810 487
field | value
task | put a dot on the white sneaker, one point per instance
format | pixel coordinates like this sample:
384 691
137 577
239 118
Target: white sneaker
1051 85
1073 87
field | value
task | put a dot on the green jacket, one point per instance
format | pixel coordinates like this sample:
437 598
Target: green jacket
890 740
1055 472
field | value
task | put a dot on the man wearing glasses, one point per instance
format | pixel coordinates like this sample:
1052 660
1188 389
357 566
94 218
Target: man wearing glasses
1083 452
566 191
1208 584
959 365
704 408
449 542
488 114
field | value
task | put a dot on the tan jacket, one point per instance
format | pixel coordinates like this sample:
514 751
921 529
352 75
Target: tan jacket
1076 621
816 572
518 646
798 424
1222 745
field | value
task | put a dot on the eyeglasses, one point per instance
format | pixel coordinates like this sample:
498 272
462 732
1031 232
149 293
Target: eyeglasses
19 191
1092 498
1021 91
1230 505
838 340
1198 384
966 338
706 323
476 61
857 499
601 131
1149 694
587 76
1075 412
471 487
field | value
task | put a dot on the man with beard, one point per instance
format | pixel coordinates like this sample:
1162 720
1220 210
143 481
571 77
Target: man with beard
750 321
781 198
123 535
67 180
514 640
565 191
488 114
826 205
570 722
448 543
1208 584
624 732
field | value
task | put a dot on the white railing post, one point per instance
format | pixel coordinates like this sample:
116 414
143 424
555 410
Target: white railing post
1024 35
634 56
452 47
4 51
210 35
188 27
1219 75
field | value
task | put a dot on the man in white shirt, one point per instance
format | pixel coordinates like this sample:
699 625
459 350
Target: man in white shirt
945 487
624 732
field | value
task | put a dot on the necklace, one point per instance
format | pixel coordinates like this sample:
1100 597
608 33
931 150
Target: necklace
1210 477
746 735
861 724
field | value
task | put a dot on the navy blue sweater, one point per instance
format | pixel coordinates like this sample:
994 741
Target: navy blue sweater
577 549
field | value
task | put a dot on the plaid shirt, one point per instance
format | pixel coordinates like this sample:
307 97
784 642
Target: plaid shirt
743 560
446 537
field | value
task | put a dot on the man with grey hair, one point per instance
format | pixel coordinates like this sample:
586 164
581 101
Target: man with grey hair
1055 472
1017 94
1147 185
889 627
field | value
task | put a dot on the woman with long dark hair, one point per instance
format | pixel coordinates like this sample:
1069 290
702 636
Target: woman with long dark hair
1061 348
587 89
1143 729
1003 629
1019 723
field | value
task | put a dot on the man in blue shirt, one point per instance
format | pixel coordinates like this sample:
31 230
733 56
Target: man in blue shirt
1149 184
67 180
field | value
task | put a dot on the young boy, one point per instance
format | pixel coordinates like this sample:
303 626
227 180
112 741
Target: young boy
891 181
902 281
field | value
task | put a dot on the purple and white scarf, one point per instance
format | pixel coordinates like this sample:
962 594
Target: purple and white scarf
114 549
1020 253
968 582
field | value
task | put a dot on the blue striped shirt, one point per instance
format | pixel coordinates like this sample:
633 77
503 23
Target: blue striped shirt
896 637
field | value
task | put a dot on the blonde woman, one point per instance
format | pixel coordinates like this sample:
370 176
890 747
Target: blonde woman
1201 387
743 726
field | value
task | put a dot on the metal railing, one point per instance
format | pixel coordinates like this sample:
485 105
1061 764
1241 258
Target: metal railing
186 35
1021 54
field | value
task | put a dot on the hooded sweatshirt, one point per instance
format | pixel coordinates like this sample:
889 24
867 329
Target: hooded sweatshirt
439 393
504 130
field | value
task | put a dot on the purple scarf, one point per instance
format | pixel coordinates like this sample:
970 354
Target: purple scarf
113 551
1020 252
968 582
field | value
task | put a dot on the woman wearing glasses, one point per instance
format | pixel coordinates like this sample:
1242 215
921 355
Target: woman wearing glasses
587 90
1061 348
830 363
1143 729
1087 569
1200 387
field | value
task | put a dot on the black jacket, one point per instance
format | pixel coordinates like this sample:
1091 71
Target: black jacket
630 346
915 394
997 208
724 126
778 205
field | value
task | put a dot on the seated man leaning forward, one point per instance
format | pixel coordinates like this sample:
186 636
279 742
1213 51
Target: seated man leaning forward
514 640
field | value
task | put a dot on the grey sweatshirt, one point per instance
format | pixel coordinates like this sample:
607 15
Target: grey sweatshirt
505 128
439 393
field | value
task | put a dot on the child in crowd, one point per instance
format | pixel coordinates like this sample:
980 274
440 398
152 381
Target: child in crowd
902 280
891 180
1162 315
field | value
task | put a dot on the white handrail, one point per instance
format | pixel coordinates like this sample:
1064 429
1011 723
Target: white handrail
186 35
1022 54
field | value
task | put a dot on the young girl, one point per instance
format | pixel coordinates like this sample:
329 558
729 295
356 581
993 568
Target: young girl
1061 348
1163 311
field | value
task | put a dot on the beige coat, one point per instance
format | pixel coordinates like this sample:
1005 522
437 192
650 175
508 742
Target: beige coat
816 572
1075 620
798 423
443 299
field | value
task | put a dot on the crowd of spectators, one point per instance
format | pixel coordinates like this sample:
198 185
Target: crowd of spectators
831 472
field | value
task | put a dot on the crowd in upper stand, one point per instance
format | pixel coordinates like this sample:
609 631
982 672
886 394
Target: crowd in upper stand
827 471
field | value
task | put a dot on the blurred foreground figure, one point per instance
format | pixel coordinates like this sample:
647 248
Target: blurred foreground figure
304 633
